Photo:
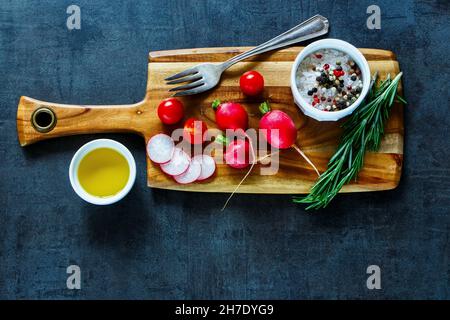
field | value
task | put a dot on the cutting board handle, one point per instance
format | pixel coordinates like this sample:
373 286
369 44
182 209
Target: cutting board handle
39 120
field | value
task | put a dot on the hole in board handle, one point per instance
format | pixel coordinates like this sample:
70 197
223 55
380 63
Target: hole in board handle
43 120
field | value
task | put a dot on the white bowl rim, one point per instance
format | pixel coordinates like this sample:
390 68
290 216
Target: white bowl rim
85 149
340 45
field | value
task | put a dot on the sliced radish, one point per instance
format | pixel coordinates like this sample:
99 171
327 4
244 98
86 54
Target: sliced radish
178 164
160 148
208 166
191 174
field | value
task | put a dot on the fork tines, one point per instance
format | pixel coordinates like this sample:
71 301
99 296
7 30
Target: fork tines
193 78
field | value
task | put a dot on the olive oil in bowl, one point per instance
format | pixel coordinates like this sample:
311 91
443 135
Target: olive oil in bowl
103 172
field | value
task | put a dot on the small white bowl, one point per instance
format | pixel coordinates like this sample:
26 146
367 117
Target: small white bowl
345 47
85 149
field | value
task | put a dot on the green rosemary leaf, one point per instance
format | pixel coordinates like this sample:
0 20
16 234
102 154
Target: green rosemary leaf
401 99
362 131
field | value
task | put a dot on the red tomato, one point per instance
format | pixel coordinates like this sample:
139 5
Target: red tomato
194 131
252 83
170 111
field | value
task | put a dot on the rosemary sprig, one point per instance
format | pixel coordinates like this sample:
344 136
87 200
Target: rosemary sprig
362 131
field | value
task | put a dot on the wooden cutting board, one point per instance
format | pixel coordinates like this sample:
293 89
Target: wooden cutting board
318 140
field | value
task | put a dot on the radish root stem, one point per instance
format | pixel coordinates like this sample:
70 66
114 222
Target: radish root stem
246 175
267 156
306 158
262 158
248 172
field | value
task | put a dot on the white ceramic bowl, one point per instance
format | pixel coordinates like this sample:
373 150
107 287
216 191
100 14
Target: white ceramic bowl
85 149
340 45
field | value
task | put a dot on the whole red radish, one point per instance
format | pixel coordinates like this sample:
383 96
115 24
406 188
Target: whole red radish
170 111
194 131
251 83
230 115
279 130
237 152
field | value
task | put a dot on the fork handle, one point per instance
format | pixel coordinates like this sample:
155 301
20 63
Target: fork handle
311 28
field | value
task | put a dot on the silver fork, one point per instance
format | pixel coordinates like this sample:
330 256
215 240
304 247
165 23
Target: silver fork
206 76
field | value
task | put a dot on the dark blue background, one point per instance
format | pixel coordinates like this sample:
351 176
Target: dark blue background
163 244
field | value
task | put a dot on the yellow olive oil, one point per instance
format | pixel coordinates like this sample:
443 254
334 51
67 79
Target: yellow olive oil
103 172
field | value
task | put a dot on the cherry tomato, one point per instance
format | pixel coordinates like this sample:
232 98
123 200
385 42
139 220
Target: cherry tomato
252 83
170 111
194 131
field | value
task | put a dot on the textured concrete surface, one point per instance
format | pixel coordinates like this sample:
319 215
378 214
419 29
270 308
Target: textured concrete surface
161 244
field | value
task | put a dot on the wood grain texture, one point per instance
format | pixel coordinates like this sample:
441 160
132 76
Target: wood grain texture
382 170
79 119
318 139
